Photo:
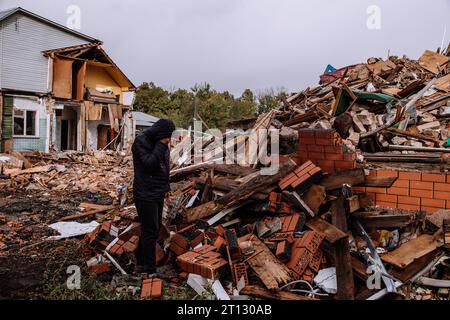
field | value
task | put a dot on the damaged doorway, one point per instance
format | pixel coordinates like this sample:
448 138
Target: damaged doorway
105 134
68 128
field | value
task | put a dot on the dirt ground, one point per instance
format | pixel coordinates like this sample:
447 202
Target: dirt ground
30 265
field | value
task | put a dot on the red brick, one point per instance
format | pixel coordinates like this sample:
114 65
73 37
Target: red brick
335 156
325 142
448 204
332 149
152 288
305 168
287 181
300 180
325 134
371 195
386 197
307 141
437 203
401 183
421 185
350 156
387 174
359 189
442 186
315 148
409 175
409 200
398 191
386 204
372 173
302 147
99 268
326 163
306 134
316 155
376 190
433 177
448 178
314 171
420 193
327 169
408 207
442 195
344 164
429 209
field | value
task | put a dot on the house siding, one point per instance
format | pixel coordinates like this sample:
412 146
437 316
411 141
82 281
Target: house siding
22 40
32 144
37 143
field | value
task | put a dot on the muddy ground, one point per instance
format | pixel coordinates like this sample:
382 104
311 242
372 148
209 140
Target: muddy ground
30 265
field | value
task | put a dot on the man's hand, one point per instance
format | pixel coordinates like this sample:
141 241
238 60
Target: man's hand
165 141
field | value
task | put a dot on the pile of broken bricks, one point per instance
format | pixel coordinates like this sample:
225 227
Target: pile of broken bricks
305 232
302 235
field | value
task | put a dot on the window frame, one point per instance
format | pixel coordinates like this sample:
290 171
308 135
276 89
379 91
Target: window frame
24 117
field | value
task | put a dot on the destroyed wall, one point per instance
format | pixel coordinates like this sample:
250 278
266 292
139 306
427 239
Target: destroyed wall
427 191
92 130
325 149
413 190
99 79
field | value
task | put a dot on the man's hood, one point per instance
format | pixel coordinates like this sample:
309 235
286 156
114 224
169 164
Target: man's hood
162 129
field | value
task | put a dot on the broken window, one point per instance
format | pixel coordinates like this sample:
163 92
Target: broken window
24 122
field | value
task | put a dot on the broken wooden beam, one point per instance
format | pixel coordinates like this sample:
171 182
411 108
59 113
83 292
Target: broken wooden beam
257 184
410 251
268 268
336 180
257 291
332 234
88 214
344 271
388 221
419 149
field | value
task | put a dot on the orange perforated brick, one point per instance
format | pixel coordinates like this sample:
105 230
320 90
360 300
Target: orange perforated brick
152 288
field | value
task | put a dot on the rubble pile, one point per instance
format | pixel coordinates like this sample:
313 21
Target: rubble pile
303 231
303 235
96 173
388 109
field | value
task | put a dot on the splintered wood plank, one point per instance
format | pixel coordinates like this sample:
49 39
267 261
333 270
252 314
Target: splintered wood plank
388 221
344 271
332 234
30 171
256 291
409 252
269 269
433 61
314 197
257 184
381 182
336 180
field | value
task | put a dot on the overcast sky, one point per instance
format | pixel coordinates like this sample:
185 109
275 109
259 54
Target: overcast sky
256 44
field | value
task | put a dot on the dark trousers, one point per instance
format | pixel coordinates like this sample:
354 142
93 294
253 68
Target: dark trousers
150 215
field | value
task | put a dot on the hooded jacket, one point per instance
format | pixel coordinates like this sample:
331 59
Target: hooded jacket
151 162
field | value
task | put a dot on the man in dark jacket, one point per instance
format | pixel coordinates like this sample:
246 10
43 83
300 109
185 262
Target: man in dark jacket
151 183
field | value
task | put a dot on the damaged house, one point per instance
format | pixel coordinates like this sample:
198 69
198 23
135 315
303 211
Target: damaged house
59 89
